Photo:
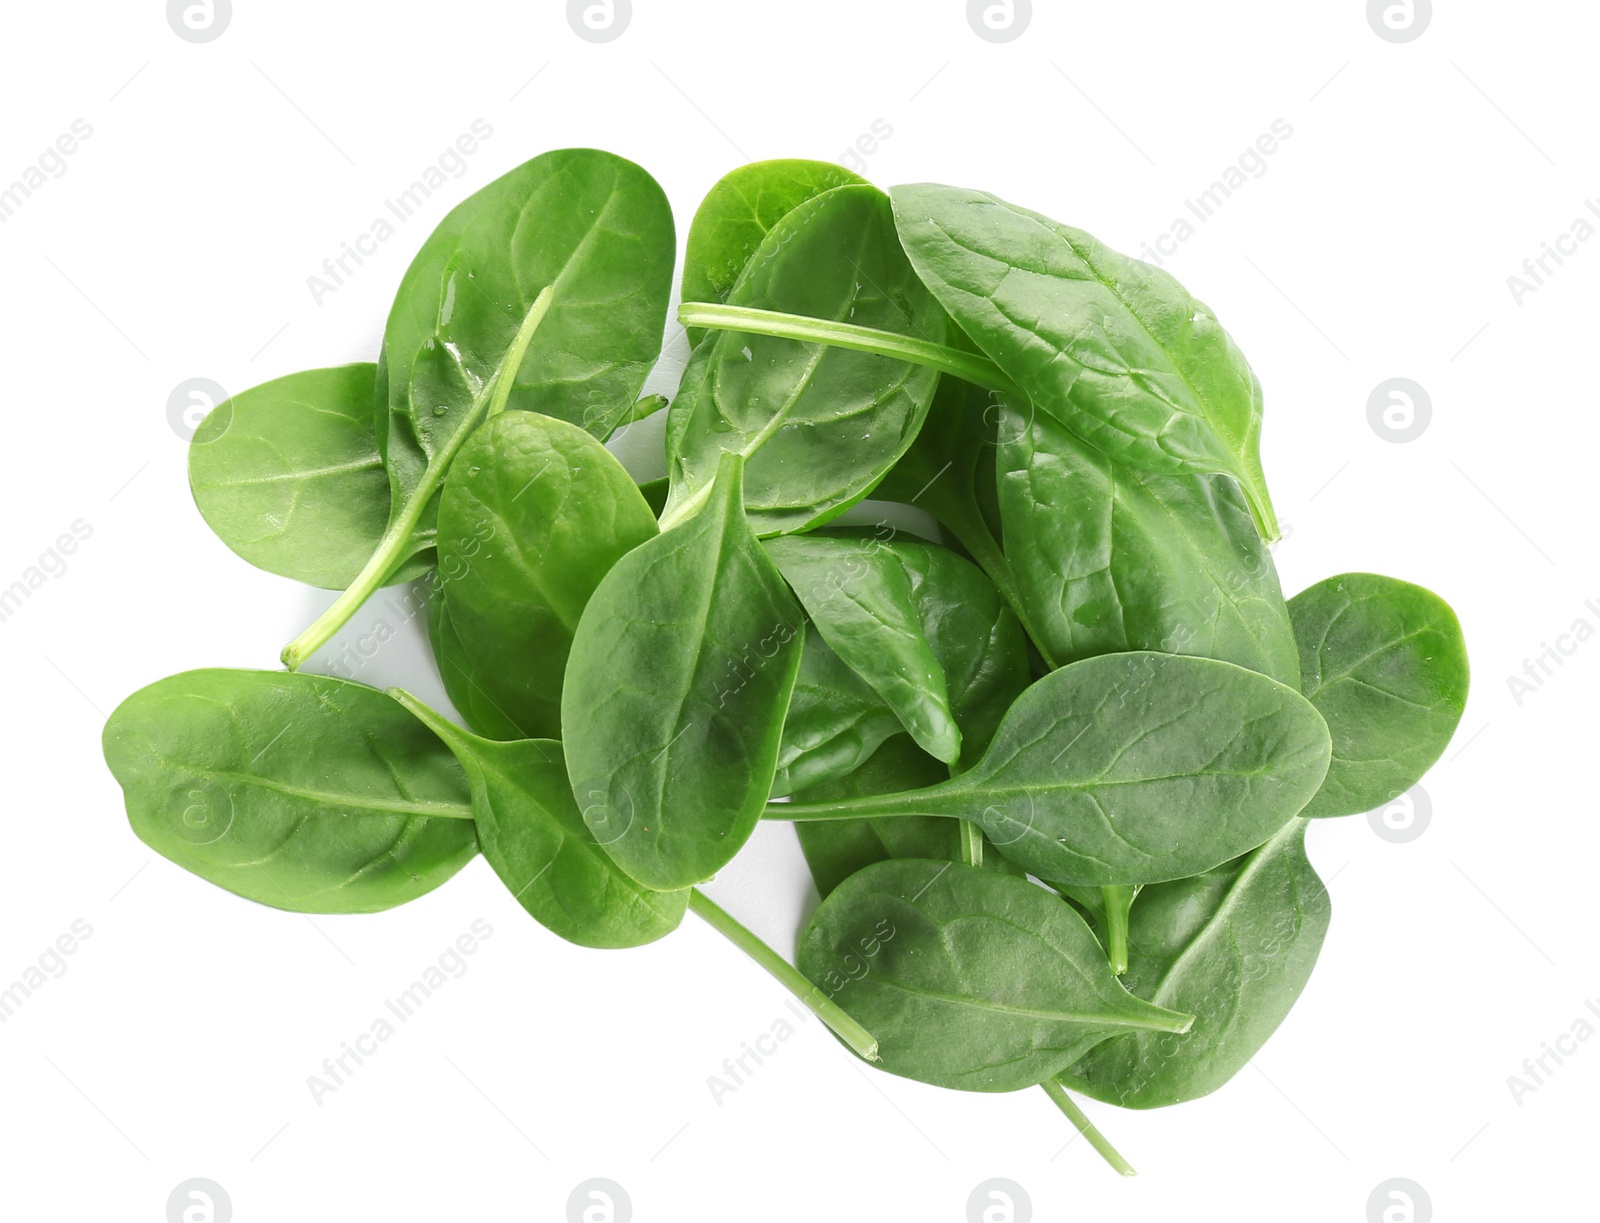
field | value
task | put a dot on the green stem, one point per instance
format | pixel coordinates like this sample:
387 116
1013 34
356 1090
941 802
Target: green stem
820 1005
397 546
1118 900
964 365
971 843
1097 1140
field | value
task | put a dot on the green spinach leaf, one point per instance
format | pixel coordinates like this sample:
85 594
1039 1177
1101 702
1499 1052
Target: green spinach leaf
1129 768
288 475
1234 947
968 978
534 513
675 693
1385 664
1114 348
858 595
1109 559
739 212
818 426
532 835
297 791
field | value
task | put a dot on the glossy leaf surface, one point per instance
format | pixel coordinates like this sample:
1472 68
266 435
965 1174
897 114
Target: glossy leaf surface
1130 768
1233 947
298 791
675 694
818 426
968 978
1386 664
1115 349
532 835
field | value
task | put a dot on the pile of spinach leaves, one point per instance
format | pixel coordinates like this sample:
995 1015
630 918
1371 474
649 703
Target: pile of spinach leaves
1052 769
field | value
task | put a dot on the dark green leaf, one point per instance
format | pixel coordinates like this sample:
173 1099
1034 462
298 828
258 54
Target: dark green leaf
736 216
818 426
1130 768
534 513
858 595
298 791
1385 663
1115 349
1234 947
532 835
968 978
675 694
1108 559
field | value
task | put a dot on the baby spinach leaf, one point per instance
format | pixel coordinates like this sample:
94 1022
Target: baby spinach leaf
576 243
737 215
836 721
676 687
858 595
415 513
1385 664
968 978
837 849
1234 947
1129 768
467 689
817 425
532 835
298 791
1109 559
1115 349
288 475
534 513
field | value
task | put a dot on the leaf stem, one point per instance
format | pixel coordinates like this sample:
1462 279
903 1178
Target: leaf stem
1118 899
820 1005
396 547
964 365
971 843
1076 1115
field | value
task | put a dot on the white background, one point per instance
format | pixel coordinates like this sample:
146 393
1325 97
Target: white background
1377 244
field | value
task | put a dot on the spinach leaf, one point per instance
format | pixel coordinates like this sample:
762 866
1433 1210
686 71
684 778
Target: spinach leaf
581 235
676 687
737 215
288 475
817 425
858 595
968 978
1234 947
467 690
532 835
298 791
534 513
1129 768
1109 559
414 517
836 721
1385 664
837 849
1115 349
